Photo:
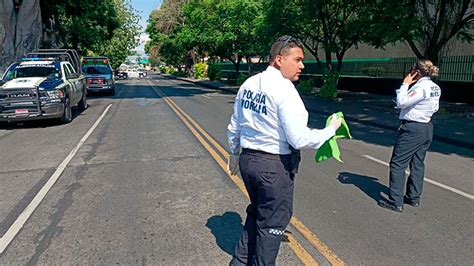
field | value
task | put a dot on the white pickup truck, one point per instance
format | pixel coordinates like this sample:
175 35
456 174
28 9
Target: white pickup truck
135 73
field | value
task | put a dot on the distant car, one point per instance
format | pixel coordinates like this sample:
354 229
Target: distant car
99 74
122 75
134 73
143 72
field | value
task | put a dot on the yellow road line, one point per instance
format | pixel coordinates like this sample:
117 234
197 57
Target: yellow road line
204 133
318 244
295 246
300 251
218 158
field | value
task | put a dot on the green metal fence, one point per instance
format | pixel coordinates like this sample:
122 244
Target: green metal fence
452 68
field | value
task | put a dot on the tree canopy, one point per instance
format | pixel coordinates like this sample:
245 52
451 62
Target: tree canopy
441 21
124 38
93 27
224 29
83 24
232 29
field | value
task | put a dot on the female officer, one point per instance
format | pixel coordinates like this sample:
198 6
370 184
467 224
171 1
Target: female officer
418 99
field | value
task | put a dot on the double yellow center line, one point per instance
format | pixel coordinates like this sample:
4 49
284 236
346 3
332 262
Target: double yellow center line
206 140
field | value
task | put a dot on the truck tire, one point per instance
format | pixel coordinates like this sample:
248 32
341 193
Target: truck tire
83 102
67 115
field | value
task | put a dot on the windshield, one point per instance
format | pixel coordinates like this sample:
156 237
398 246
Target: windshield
47 71
97 70
9 73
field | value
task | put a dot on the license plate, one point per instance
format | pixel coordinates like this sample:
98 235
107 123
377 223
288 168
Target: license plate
21 111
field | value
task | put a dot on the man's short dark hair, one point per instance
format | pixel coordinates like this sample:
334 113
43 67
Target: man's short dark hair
283 44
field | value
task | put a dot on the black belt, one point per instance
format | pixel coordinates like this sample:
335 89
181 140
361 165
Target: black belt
403 121
265 154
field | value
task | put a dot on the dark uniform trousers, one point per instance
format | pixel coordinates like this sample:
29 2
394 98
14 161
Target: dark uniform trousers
269 182
414 139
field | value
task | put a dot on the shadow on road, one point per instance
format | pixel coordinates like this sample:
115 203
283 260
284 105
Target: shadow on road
227 229
369 185
41 123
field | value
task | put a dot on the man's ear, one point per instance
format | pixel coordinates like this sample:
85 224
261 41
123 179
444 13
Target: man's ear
278 59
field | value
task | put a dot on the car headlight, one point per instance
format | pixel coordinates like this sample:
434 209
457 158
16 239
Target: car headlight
55 94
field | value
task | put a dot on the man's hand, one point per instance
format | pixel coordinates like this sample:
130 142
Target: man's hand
233 164
335 122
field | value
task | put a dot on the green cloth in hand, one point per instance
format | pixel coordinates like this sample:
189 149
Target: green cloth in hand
329 148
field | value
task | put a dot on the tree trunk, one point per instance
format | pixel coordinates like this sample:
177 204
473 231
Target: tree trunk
328 56
433 55
29 29
20 31
339 57
7 27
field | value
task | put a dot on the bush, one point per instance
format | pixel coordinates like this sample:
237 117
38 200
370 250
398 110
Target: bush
169 70
181 74
241 79
214 72
329 89
306 86
199 70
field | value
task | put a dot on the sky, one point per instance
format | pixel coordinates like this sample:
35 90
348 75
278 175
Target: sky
144 8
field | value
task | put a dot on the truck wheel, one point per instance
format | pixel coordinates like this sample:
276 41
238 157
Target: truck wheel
67 115
83 102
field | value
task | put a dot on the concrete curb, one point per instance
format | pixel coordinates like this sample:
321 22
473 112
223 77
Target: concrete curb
455 142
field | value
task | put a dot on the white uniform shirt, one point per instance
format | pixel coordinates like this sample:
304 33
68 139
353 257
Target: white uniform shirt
419 102
269 115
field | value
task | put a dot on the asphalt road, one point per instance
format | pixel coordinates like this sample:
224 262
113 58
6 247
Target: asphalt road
143 189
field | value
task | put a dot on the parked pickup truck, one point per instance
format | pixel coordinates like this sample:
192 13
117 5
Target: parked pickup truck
99 74
44 85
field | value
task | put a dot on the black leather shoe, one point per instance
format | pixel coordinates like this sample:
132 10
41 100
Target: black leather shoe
389 205
410 202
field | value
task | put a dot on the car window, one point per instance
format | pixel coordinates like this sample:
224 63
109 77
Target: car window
71 69
67 72
96 69
10 72
28 71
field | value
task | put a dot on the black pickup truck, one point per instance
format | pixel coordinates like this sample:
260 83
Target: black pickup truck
46 84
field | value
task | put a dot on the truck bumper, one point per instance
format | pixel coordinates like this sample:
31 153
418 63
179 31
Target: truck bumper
100 88
14 112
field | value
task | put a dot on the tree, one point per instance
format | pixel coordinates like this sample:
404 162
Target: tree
98 27
124 38
162 27
224 29
20 29
441 21
83 24
426 25
331 25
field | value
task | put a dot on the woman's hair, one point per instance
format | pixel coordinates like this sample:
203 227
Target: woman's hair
426 68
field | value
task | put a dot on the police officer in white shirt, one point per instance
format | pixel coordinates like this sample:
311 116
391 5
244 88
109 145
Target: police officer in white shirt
269 120
418 102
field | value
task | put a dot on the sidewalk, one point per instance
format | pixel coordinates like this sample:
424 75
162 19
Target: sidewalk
454 122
